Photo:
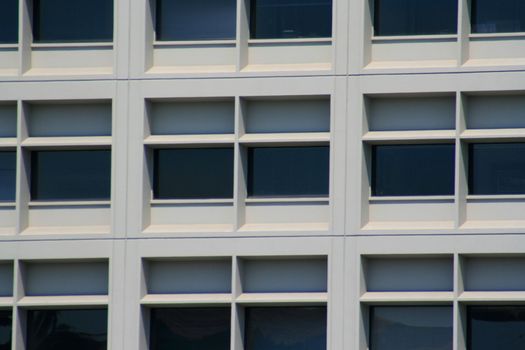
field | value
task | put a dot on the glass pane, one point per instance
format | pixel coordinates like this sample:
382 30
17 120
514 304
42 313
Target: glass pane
501 16
415 17
288 171
7 176
70 175
411 328
5 329
496 327
278 19
72 20
8 21
193 173
497 168
285 328
190 328
196 19
413 170
67 329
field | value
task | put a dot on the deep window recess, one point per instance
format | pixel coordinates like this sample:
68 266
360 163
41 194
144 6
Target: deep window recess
495 327
7 176
285 328
67 329
497 168
502 16
195 20
193 173
415 17
8 21
278 19
288 171
5 329
71 175
190 328
413 170
72 21
411 327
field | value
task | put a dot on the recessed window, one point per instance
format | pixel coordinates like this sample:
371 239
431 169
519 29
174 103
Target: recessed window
288 171
276 19
67 329
501 16
8 21
7 176
497 168
195 20
413 170
415 17
72 21
71 175
495 327
411 327
190 328
193 173
5 329
285 328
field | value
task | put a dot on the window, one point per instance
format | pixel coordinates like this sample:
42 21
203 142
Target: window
288 171
502 16
72 21
277 19
7 176
497 168
67 329
415 17
190 328
5 329
195 20
413 170
411 327
71 175
8 21
192 173
495 327
285 328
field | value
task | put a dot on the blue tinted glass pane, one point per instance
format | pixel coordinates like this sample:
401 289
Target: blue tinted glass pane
496 327
67 329
193 173
277 19
288 171
415 17
190 328
71 175
72 20
5 329
195 19
501 16
411 328
285 328
7 176
413 170
8 21
497 168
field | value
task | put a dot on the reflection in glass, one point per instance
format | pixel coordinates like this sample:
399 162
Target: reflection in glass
190 328
501 16
8 21
7 176
5 329
411 328
413 170
285 328
496 327
67 329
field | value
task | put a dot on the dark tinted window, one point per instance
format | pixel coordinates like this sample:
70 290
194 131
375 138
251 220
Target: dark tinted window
72 20
413 170
288 171
501 16
71 175
496 327
196 19
190 328
285 328
8 21
5 329
7 176
193 173
277 19
497 168
67 329
411 328
415 17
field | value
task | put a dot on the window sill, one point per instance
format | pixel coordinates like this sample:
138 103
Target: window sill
64 300
71 45
474 134
282 298
80 203
7 204
186 299
8 46
496 35
84 141
409 135
288 200
189 139
193 43
495 196
409 198
407 297
436 37
286 137
290 41
191 201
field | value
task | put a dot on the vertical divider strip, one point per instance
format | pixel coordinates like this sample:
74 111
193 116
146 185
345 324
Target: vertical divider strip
242 35
461 183
22 169
237 319
239 189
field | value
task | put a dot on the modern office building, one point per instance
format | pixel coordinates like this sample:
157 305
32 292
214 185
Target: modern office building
262 174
